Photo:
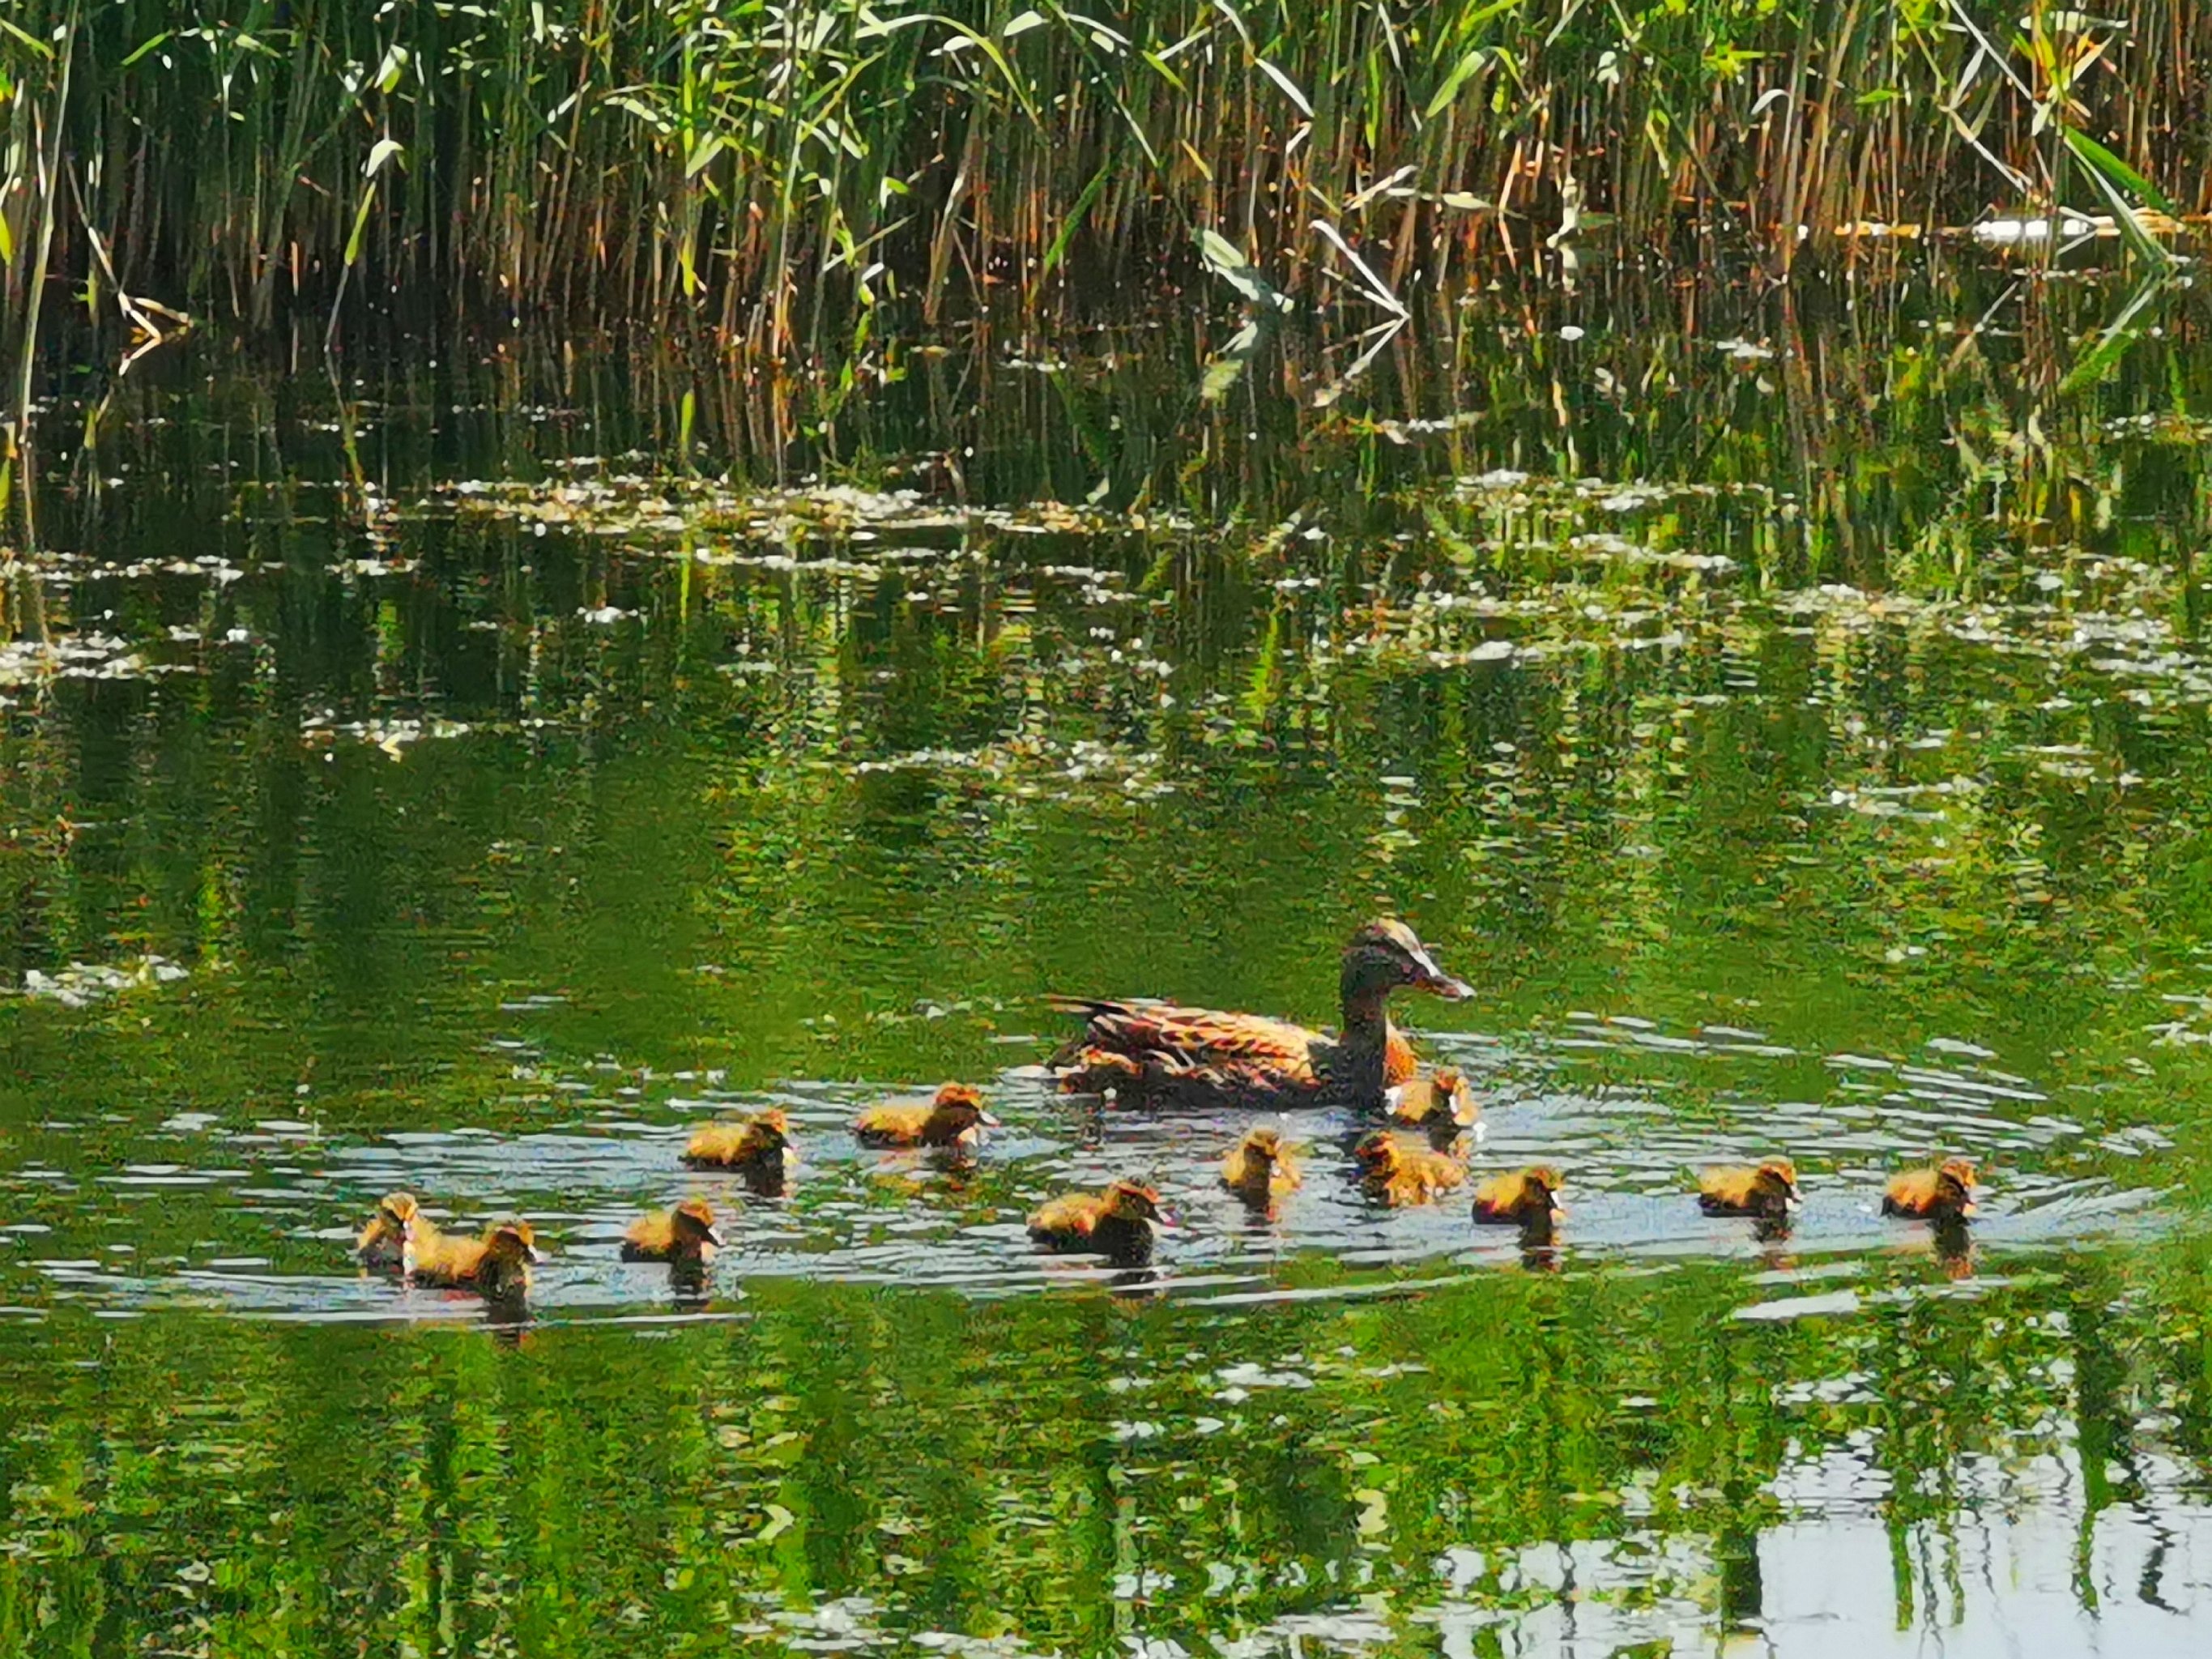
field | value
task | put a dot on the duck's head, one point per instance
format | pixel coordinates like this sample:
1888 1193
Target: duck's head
1956 1181
694 1219
513 1241
1385 956
1132 1200
1265 1142
773 1126
1455 1096
1539 1194
963 1106
1775 1181
394 1219
1377 1152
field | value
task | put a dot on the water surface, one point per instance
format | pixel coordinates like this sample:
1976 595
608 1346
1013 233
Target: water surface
1788 713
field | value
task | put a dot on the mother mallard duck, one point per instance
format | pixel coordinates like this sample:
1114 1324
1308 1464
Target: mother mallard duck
1161 1050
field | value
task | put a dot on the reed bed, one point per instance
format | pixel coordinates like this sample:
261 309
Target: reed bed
773 172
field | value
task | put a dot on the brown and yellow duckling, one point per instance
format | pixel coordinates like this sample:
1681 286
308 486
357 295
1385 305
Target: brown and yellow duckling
1944 1193
1441 1105
685 1236
1526 1199
395 1234
1116 1224
759 1145
1262 1166
1400 1175
1769 1191
496 1265
954 1117
1146 1047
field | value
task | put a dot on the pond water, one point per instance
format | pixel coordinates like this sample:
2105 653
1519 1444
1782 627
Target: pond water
1787 711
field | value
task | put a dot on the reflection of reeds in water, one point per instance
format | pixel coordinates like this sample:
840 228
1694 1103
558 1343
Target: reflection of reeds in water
1548 1405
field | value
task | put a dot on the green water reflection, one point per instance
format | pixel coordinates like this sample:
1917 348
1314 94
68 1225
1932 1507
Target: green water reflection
1516 1463
1788 714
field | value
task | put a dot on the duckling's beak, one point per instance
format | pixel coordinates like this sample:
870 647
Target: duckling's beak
1797 1199
714 1236
986 1120
1970 1208
537 1257
1164 1219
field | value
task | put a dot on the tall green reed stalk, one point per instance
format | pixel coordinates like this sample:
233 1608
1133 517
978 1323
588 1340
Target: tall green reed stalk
774 171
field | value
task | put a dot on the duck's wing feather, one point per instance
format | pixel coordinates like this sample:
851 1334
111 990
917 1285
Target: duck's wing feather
1163 1076
1139 1027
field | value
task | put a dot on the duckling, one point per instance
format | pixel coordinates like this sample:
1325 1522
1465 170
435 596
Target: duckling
395 1234
759 1145
496 1265
686 1235
1440 1105
1945 1192
1116 1224
952 1118
1260 1168
1770 1190
1527 1199
1400 1175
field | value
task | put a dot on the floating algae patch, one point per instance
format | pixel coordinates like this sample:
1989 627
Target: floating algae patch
29 665
645 508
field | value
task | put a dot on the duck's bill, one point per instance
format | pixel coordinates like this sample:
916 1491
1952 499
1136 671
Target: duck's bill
537 1257
715 1237
1165 1219
988 1121
1439 983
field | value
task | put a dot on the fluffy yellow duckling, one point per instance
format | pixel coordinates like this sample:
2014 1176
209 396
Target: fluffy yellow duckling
955 1117
1526 1199
1400 1175
1769 1190
496 1265
685 1234
1945 1192
1441 1105
1261 1167
759 1145
1116 1224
